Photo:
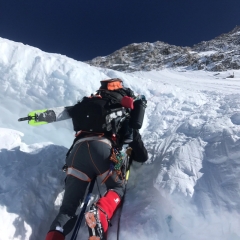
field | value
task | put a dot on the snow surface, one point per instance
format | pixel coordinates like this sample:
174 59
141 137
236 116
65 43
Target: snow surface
188 189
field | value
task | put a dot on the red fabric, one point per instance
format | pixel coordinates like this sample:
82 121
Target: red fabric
108 204
55 235
127 102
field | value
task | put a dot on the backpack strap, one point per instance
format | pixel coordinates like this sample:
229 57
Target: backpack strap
113 97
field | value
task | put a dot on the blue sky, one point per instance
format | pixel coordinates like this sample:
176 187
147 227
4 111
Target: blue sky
84 29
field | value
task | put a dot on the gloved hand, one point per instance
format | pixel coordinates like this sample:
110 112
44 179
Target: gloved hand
136 135
129 151
139 152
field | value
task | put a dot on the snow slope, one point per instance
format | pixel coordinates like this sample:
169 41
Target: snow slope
188 189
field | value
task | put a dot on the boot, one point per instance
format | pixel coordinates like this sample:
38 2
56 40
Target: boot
55 235
99 215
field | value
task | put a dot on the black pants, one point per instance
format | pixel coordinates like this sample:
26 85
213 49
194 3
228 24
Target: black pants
91 159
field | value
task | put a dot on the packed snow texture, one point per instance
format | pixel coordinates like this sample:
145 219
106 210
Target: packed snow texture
188 189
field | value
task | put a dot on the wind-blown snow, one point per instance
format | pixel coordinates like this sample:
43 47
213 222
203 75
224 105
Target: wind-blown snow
188 189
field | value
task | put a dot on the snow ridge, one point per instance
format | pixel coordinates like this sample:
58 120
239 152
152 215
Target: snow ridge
189 187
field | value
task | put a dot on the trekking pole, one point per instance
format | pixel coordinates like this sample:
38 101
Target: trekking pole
81 215
126 181
28 118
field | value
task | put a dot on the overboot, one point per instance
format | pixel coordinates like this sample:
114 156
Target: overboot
99 215
55 235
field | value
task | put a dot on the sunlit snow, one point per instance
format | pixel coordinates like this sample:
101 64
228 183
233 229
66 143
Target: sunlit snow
188 189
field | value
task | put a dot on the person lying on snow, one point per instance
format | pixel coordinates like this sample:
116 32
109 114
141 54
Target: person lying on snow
90 156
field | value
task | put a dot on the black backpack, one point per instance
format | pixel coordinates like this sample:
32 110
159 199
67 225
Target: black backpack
101 112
